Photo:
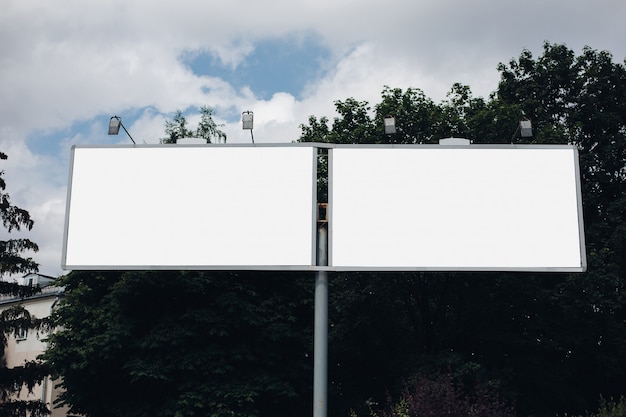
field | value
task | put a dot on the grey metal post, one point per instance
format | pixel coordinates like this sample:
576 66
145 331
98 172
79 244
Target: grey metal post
320 353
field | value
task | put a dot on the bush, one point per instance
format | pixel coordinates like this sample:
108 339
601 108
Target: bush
444 396
609 408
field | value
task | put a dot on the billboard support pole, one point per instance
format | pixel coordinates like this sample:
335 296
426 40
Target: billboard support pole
320 351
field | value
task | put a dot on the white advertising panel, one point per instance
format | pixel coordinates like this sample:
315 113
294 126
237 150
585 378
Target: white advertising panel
181 207
456 208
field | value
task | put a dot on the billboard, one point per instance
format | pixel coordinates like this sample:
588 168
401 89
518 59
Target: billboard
510 207
191 207
391 207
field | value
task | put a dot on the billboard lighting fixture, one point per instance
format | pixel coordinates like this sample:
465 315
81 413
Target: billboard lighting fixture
247 120
114 127
390 125
525 128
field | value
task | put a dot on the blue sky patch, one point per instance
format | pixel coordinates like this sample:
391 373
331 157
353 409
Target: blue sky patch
283 65
52 141
58 141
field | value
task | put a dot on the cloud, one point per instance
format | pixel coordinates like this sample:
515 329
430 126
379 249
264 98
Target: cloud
68 65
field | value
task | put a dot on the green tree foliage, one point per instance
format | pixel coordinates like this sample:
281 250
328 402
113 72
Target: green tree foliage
17 319
184 344
14 218
580 100
418 120
207 128
551 342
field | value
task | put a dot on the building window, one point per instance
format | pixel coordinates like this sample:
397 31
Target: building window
22 334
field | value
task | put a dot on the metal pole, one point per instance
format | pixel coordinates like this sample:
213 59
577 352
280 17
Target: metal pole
131 138
320 353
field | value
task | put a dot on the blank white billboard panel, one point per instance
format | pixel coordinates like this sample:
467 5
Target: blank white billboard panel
179 207
456 208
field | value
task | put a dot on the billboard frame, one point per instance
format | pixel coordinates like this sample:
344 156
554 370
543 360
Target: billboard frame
311 266
579 209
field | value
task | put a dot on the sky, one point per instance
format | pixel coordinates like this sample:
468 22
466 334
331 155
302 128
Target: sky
67 66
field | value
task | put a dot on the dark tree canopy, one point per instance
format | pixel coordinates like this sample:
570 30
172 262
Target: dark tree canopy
183 344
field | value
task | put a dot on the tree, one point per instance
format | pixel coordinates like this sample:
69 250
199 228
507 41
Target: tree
417 117
14 218
184 343
580 100
207 128
17 319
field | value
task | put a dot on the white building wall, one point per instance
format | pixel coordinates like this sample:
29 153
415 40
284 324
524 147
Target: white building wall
22 349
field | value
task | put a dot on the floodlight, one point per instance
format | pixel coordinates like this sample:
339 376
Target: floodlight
114 127
390 125
526 130
247 120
